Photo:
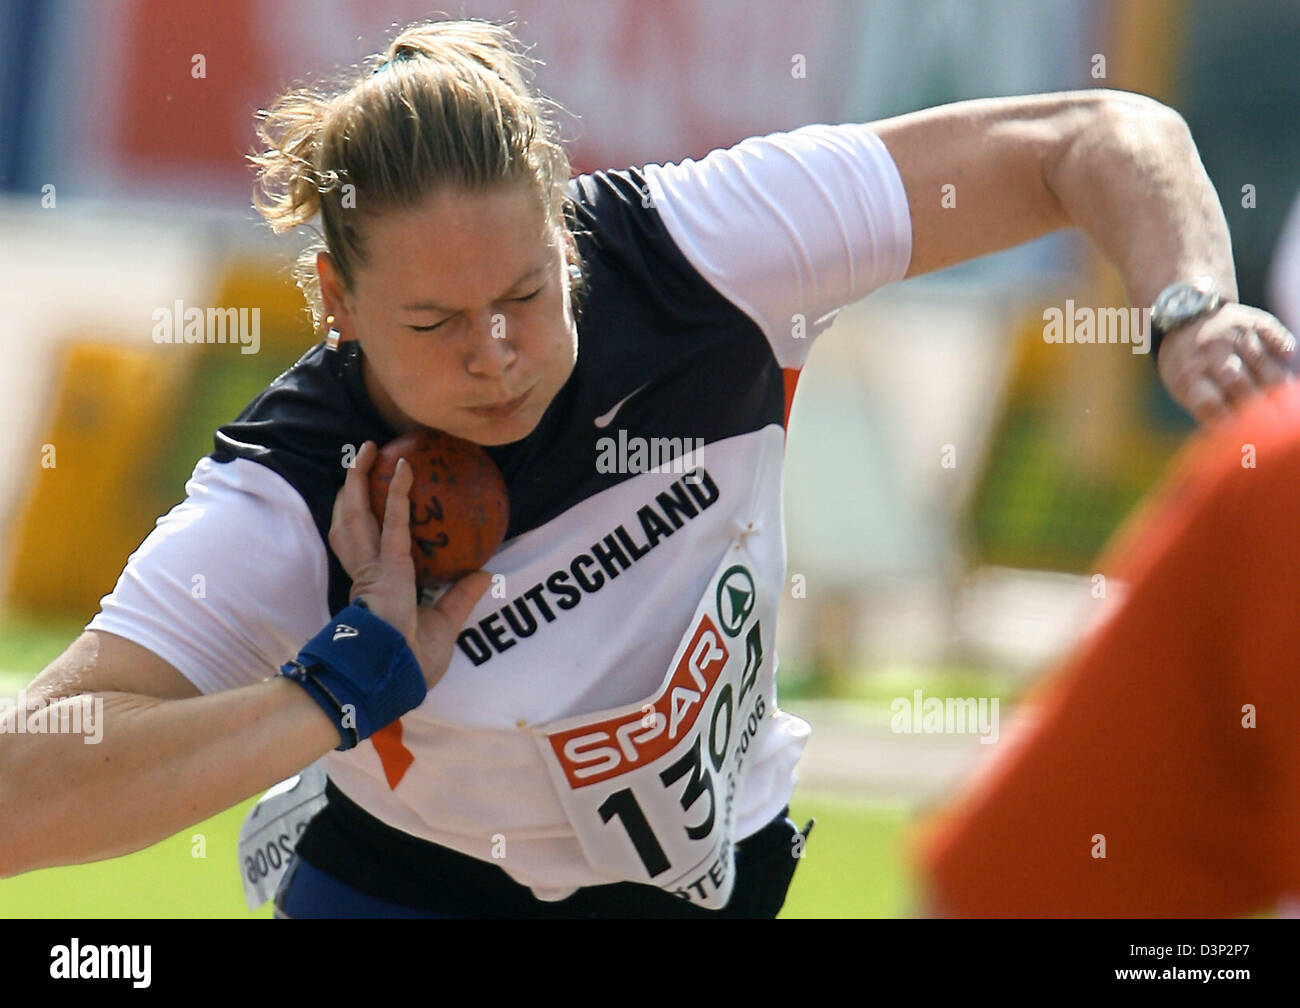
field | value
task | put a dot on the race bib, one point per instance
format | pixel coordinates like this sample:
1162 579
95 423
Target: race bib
271 831
650 788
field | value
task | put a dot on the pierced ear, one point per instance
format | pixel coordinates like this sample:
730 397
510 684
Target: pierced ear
336 326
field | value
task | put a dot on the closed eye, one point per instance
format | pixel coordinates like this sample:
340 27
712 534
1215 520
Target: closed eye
431 328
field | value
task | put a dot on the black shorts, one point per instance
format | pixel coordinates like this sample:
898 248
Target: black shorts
349 864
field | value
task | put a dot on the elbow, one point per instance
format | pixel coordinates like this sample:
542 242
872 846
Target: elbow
25 842
8 869
9 820
11 857
1106 135
1132 101
1108 114
1139 120
25 828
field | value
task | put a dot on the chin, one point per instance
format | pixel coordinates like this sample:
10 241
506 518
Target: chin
502 432
508 430
488 431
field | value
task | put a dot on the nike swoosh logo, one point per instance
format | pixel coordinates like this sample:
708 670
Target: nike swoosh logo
343 631
605 419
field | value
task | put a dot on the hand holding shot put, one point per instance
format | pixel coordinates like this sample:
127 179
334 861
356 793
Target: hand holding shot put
379 561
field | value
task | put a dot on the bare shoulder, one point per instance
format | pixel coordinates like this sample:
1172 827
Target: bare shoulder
100 662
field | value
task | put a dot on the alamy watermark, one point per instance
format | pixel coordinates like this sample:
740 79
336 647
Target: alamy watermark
79 715
181 324
75 961
924 715
1085 324
648 454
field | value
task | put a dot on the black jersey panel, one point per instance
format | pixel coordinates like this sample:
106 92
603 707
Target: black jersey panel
306 426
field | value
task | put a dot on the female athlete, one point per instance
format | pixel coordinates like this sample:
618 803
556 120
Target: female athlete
598 734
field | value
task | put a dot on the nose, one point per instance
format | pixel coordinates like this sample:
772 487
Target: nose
490 352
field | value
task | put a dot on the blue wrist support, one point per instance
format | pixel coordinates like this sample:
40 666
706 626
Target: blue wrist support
361 672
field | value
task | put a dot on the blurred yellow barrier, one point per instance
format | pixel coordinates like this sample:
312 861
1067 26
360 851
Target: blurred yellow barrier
90 500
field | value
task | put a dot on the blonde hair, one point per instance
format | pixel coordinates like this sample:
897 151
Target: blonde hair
446 103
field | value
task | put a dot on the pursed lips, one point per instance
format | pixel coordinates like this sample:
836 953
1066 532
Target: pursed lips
501 406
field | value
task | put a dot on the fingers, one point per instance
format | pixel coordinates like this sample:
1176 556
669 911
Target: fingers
440 623
1236 381
1265 358
354 533
378 557
1205 400
395 540
1277 340
449 613
1255 355
1223 361
355 492
461 598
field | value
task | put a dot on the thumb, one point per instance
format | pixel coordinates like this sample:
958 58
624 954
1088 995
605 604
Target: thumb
453 607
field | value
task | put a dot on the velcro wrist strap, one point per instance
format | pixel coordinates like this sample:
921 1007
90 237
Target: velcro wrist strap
361 672
306 678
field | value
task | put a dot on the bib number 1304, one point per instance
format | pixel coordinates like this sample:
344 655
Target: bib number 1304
622 804
650 789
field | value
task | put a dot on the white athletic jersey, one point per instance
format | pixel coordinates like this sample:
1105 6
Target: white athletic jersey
706 283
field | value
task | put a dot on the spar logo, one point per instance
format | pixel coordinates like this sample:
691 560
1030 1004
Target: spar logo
592 753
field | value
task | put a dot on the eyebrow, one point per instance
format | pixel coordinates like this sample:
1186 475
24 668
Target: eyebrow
430 306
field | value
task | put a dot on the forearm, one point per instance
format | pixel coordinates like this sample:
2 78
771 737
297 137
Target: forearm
160 766
1132 180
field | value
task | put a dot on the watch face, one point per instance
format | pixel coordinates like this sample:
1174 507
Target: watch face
1185 301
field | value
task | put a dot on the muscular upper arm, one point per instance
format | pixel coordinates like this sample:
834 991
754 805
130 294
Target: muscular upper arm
997 154
100 662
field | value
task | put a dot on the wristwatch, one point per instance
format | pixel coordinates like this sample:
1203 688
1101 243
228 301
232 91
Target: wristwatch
1179 304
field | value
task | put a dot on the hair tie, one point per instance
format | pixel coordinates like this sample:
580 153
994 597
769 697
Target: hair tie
400 57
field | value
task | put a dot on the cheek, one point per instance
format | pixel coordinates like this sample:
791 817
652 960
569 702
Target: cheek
417 369
561 347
